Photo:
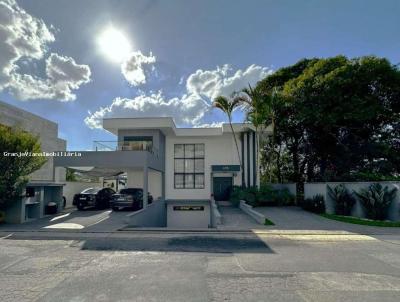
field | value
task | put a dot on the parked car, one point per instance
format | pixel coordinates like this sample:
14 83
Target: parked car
93 197
129 198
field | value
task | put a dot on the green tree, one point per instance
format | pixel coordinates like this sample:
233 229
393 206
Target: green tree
70 175
338 118
14 169
228 105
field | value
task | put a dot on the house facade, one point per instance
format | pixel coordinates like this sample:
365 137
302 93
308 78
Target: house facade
186 168
45 185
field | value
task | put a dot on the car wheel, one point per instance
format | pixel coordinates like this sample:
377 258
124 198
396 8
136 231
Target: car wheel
80 206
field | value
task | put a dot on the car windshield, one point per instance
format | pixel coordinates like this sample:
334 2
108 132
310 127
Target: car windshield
130 191
91 191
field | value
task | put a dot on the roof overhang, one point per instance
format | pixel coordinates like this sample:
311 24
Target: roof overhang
167 126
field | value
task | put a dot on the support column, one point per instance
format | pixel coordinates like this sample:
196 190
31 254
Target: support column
145 185
163 185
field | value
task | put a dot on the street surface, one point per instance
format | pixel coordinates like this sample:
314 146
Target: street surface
170 266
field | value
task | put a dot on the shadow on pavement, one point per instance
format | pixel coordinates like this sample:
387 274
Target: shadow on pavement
208 244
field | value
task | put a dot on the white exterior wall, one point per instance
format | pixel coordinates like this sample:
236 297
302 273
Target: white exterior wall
311 189
46 130
219 150
251 180
135 180
188 219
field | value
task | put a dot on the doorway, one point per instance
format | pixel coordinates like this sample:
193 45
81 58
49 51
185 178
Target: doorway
222 187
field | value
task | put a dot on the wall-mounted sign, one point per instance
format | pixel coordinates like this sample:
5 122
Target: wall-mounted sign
188 208
225 168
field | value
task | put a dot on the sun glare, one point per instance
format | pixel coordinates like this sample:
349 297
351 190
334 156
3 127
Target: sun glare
114 44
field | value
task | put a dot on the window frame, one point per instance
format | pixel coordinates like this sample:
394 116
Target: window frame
194 173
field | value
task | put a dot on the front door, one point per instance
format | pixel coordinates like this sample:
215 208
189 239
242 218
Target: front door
222 187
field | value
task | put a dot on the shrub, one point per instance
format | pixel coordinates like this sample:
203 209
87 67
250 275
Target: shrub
376 200
265 196
316 204
236 195
344 201
251 196
283 197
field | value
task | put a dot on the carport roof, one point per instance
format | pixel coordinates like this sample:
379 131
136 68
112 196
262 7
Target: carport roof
98 172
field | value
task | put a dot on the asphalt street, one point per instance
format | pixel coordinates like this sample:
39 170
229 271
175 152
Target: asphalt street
171 266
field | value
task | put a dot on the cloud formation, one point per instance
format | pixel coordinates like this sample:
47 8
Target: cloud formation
26 38
135 67
191 107
224 80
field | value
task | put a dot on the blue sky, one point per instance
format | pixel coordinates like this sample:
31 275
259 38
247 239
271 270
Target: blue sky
182 53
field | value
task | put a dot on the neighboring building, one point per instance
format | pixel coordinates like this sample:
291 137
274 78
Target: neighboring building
185 167
45 185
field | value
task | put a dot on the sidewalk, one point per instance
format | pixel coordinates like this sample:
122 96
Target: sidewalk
296 219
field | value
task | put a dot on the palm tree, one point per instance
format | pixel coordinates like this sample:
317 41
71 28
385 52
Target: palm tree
228 105
255 113
261 111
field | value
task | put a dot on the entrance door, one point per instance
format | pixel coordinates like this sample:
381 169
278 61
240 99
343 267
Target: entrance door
222 187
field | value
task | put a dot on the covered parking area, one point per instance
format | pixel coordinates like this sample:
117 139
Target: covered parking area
143 169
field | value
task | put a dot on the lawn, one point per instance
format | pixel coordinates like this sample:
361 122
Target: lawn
362 221
268 222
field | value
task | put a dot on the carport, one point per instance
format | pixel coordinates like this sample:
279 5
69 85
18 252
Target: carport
139 166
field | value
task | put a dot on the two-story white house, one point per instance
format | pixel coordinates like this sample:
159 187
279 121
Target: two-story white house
186 168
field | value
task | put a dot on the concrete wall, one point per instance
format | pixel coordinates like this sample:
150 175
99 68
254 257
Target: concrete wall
46 130
152 216
74 187
29 208
188 219
135 180
219 150
311 189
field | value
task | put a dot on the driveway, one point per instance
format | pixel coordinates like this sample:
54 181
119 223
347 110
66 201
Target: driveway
295 218
73 220
234 218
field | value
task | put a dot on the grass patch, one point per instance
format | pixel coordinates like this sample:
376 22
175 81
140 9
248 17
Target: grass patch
268 222
362 221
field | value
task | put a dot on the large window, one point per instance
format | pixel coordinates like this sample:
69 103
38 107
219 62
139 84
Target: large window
189 166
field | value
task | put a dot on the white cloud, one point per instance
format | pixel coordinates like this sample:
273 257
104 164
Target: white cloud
24 37
223 80
63 75
188 109
134 67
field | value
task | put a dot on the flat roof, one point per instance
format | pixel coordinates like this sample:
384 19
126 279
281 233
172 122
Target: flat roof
168 127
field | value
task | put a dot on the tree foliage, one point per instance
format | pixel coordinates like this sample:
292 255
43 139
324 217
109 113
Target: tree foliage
335 119
14 169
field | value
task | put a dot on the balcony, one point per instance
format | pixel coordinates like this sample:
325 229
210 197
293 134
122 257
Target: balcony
125 146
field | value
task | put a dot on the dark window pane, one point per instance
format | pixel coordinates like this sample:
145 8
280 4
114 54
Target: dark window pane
189 181
199 165
179 181
179 165
178 151
189 165
189 151
199 181
199 150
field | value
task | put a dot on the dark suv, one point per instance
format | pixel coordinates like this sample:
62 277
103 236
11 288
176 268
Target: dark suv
93 197
129 198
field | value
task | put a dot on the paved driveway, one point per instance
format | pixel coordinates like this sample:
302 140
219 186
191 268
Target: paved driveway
295 218
234 218
73 220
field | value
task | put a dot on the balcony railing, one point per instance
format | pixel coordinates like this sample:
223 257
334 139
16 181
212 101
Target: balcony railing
125 146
